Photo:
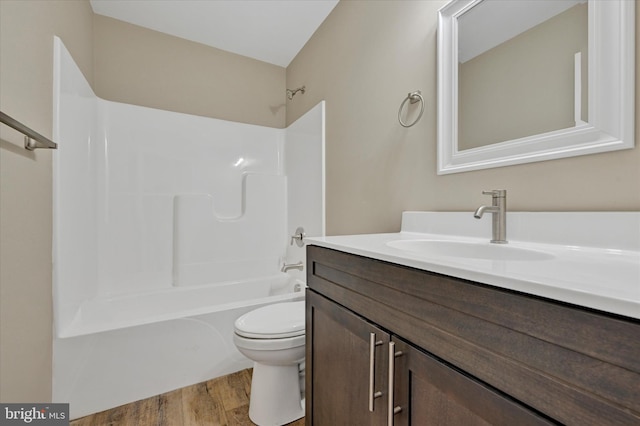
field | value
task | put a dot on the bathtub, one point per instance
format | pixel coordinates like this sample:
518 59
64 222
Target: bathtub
129 310
166 228
122 349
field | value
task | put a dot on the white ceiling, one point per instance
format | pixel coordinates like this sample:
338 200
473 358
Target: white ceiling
273 31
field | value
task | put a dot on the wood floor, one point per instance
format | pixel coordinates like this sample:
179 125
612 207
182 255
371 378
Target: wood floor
221 401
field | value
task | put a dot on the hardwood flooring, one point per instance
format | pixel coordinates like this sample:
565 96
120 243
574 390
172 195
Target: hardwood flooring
217 402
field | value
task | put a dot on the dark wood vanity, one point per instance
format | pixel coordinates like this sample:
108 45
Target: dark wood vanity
455 352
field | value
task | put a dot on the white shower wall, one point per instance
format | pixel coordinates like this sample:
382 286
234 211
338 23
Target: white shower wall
189 200
304 168
167 228
75 225
148 200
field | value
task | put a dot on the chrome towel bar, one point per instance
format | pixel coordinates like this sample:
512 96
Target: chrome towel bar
32 139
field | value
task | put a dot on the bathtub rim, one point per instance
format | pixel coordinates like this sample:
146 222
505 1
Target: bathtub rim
79 327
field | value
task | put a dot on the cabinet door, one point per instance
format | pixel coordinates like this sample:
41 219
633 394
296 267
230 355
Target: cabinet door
339 364
430 392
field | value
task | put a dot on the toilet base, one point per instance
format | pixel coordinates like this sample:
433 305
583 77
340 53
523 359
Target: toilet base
275 395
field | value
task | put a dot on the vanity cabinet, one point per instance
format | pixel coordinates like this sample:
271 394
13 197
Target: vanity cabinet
342 361
457 352
426 390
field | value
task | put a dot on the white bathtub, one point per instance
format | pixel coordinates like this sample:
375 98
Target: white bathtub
162 222
129 348
110 313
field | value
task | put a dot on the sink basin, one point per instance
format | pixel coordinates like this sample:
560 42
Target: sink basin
469 250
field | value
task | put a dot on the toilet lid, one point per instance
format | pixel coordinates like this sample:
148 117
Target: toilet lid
273 321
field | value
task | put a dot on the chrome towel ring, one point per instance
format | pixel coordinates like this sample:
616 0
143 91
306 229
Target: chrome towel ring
412 97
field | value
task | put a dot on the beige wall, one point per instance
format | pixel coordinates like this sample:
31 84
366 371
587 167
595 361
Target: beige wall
139 66
363 61
26 64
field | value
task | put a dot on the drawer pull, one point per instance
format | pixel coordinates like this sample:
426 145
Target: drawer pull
372 370
392 366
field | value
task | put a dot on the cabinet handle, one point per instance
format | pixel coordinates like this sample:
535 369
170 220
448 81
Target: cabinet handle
392 366
372 369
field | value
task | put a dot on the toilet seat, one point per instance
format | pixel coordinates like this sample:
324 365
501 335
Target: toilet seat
268 344
277 321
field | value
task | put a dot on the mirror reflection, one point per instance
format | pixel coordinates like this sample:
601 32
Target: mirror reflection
522 70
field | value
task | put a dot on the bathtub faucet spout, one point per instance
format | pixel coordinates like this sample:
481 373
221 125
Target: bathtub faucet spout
287 266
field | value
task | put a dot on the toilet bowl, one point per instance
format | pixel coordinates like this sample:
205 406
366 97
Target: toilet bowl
273 338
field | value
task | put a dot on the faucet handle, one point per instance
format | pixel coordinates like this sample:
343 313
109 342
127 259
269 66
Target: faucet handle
500 193
298 237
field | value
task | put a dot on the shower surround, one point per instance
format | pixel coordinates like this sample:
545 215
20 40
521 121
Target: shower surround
167 227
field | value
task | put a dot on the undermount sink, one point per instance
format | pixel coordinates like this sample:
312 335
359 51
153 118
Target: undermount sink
472 250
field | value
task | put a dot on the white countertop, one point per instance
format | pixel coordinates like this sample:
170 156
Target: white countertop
603 278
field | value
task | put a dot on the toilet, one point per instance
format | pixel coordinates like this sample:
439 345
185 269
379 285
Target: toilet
273 337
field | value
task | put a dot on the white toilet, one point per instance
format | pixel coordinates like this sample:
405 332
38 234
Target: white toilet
273 338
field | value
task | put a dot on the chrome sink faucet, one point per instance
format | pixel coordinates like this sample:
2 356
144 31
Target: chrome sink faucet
499 210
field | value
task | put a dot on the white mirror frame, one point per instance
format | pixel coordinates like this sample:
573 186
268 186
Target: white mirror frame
611 45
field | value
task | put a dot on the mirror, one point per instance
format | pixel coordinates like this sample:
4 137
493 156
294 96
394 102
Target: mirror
528 80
